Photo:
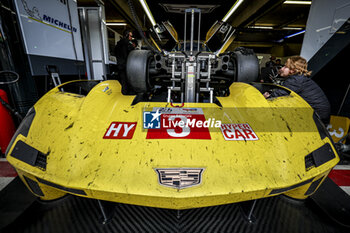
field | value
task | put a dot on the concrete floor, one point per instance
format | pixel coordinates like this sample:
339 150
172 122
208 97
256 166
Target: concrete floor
7 173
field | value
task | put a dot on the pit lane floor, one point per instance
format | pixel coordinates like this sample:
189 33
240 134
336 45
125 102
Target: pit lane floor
74 214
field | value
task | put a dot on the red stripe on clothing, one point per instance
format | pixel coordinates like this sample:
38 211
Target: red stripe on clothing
6 170
340 177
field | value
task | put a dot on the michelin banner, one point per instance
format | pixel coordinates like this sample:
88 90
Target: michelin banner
50 28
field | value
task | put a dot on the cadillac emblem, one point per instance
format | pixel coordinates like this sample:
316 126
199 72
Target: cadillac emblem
179 178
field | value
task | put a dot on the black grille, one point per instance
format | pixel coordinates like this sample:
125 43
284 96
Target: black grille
41 160
29 155
323 155
24 153
318 157
309 162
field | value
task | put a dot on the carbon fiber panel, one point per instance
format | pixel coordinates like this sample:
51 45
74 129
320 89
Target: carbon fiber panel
274 215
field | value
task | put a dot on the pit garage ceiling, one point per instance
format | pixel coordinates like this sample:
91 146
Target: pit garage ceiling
261 25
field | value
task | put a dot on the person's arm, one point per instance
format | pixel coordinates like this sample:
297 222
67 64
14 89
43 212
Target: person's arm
277 92
291 83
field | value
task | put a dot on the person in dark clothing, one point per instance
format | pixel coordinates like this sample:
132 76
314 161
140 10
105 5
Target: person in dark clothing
295 70
269 73
278 63
271 63
266 73
122 50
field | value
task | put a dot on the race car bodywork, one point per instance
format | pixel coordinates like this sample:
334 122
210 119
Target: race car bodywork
86 138
95 145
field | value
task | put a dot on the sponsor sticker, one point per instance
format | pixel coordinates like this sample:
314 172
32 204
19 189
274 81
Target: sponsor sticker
151 120
238 132
120 130
172 123
107 90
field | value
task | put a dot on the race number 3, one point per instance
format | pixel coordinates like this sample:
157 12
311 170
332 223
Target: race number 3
180 126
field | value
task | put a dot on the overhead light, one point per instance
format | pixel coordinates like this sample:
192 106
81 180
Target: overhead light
180 8
233 9
260 27
291 28
322 29
116 24
148 12
298 2
295 34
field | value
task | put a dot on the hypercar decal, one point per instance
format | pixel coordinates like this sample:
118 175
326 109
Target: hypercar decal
120 130
177 123
238 132
179 178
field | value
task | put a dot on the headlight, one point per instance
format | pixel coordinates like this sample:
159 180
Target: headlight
23 128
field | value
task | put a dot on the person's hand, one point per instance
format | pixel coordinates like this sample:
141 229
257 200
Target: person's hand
261 80
267 95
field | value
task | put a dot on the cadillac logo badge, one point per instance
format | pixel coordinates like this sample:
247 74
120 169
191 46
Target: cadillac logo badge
179 178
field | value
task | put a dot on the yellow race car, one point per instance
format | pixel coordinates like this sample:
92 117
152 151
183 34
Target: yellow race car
197 132
104 145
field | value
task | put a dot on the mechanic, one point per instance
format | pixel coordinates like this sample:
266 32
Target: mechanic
265 74
122 50
296 74
271 63
278 63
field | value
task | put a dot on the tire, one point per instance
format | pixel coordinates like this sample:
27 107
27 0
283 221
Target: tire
137 67
247 65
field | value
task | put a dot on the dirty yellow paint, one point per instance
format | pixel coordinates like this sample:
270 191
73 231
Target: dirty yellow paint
71 128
